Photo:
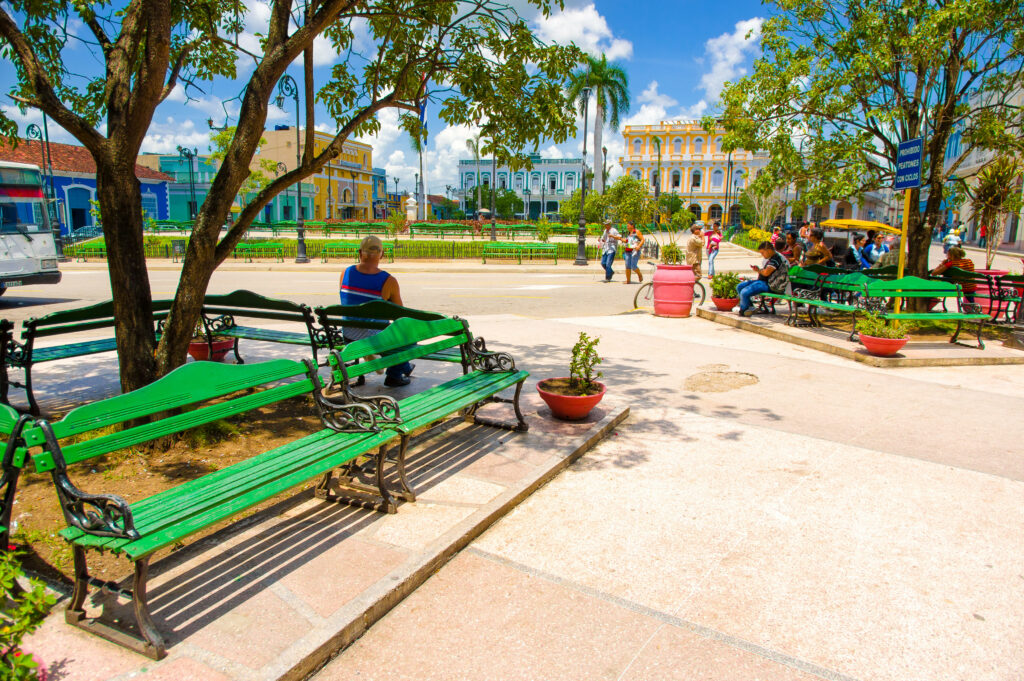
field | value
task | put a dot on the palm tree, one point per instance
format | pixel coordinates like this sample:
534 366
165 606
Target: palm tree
996 195
473 144
610 87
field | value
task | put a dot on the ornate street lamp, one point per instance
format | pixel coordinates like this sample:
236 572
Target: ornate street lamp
397 200
494 190
280 169
190 156
581 234
526 192
46 166
286 87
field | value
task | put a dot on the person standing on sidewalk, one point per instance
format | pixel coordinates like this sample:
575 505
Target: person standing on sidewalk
695 250
631 252
982 236
714 242
609 241
366 282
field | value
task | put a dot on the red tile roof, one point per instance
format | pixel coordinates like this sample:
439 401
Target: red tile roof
68 158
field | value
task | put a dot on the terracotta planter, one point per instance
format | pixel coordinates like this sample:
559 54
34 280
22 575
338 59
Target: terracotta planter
883 347
569 407
201 351
725 304
673 290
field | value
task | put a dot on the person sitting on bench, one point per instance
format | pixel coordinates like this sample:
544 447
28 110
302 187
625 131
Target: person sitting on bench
772 275
363 283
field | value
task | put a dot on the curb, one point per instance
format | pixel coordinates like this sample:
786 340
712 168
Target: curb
855 355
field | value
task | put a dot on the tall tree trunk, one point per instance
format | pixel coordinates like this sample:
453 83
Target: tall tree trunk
598 139
120 197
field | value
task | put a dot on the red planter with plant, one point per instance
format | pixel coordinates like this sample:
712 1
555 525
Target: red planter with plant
725 304
200 350
572 398
883 347
879 337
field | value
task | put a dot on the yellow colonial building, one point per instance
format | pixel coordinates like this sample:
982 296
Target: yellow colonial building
342 189
693 166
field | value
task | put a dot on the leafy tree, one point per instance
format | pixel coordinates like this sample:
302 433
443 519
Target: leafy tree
609 85
476 61
629 201
682 219
669 204
258 179
850 79
997 194
760 203
594 211
22 613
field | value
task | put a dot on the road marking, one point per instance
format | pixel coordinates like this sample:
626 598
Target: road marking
466 295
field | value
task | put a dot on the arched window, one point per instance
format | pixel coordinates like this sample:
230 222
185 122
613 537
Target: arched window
715 212
570 183
716 179
695 209
695 181
698 146
535 183
470 180
552 182
486 179
677 146
738 179
519 181
677 179
638 147
636 175
718 145
734 214
502 182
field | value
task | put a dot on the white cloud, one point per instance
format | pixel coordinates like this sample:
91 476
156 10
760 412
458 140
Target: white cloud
165 137
553 151
587 29
654 109
728 53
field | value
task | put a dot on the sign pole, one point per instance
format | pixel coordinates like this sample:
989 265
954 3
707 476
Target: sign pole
909 158
903 243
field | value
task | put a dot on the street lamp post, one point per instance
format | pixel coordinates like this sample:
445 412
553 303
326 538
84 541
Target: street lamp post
397 200
46 166
286 87
494 189
190 155
330 203
657 178
581 234
526 193
353 174
543 192
728 186
281 168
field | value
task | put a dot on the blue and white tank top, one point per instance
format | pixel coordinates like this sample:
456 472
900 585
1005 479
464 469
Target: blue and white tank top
357 288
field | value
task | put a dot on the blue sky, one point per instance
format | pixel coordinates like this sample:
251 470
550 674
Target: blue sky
676 53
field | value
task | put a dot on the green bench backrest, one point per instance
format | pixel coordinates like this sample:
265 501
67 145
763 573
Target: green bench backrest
244 303
404 339
377 314
911 287
187 385
958 275
8 418
98 316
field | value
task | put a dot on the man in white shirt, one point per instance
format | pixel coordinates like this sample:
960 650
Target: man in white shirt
609 241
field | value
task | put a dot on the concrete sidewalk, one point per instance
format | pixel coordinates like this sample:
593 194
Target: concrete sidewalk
768 511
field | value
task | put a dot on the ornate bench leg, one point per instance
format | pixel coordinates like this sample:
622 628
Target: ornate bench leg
981 343
33 406
151 643
235 350
521 426
406 493
956 334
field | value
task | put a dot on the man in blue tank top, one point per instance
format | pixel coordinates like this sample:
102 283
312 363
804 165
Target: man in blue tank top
363 283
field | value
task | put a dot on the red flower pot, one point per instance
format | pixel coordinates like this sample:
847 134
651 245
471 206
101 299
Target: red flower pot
725 304
883 347
673 290
201 351
569 407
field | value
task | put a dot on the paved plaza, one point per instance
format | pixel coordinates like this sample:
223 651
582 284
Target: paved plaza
766 511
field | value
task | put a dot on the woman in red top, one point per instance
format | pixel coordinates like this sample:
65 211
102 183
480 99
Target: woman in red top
958 258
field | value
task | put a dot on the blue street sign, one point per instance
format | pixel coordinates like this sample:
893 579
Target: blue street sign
908 164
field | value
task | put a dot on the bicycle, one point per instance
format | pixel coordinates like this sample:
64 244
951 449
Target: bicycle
644 298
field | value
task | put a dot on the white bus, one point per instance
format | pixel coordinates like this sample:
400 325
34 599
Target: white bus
27 251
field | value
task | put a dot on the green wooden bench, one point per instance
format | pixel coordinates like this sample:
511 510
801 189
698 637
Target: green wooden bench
14 459
500 250
915 287
25 354
485 375
194 394
259 249
343 249
379 314
1001 292
441 230
220 314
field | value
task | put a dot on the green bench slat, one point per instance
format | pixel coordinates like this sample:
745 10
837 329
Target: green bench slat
325 456
269 335
50 353
441 401
404 355
449 355
954 316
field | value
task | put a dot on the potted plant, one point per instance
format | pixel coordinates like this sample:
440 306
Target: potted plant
881 338
723 291
214 348
572 398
